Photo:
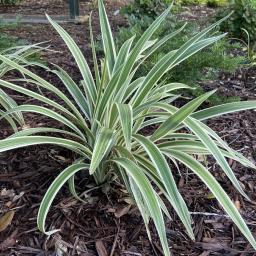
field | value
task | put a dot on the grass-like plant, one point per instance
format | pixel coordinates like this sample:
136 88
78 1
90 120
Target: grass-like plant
19 54
106 113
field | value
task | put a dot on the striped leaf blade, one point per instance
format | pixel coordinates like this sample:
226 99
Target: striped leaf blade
179 116
149 197
52 191
20 142
79 58
217 190
103 143
196 127
126 119
224 109
107 37
166 177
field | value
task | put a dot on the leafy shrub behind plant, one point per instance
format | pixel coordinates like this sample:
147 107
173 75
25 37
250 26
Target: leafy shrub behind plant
106 115
190 2
210 3
216 3
150 8
7 40
243 17
204 65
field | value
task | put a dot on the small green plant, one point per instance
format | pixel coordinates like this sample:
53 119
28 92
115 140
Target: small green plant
107 114
243 17
250 48
190 2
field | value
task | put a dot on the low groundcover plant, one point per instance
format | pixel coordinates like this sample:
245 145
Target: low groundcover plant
105 116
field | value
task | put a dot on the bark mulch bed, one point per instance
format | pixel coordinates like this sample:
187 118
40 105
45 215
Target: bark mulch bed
31 7
106 225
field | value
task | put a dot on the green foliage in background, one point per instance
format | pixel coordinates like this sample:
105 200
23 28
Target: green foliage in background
7 41
10 43
202 66
150 8
243 17
210 3
9 2
105 115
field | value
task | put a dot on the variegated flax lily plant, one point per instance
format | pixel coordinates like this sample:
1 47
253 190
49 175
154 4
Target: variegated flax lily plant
105 116
18 54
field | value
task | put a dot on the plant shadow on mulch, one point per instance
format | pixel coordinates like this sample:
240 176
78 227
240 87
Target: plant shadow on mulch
106 225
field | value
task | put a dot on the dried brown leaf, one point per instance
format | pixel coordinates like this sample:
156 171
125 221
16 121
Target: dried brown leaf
101 249
6 220
238 205
122 211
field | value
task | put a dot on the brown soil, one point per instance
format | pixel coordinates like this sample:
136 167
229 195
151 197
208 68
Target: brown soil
58 7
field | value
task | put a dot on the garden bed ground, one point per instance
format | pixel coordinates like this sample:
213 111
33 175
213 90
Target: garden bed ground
106 226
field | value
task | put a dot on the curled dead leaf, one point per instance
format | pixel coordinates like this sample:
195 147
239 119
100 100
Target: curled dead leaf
6 220
122 211
82 19
238 205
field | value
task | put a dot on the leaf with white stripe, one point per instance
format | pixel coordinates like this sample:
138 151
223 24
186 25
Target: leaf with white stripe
52 191
149 197
166 177
217 191
107 37
180 115
79 58
103 143
126 119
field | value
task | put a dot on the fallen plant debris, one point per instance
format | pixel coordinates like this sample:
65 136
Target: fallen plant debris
6 220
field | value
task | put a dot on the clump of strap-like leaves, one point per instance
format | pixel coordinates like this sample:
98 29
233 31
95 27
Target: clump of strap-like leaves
18 54
106 114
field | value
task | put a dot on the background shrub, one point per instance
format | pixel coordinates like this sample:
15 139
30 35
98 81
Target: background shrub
216 3
9 2
202 66
244 17
150 8
210 3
